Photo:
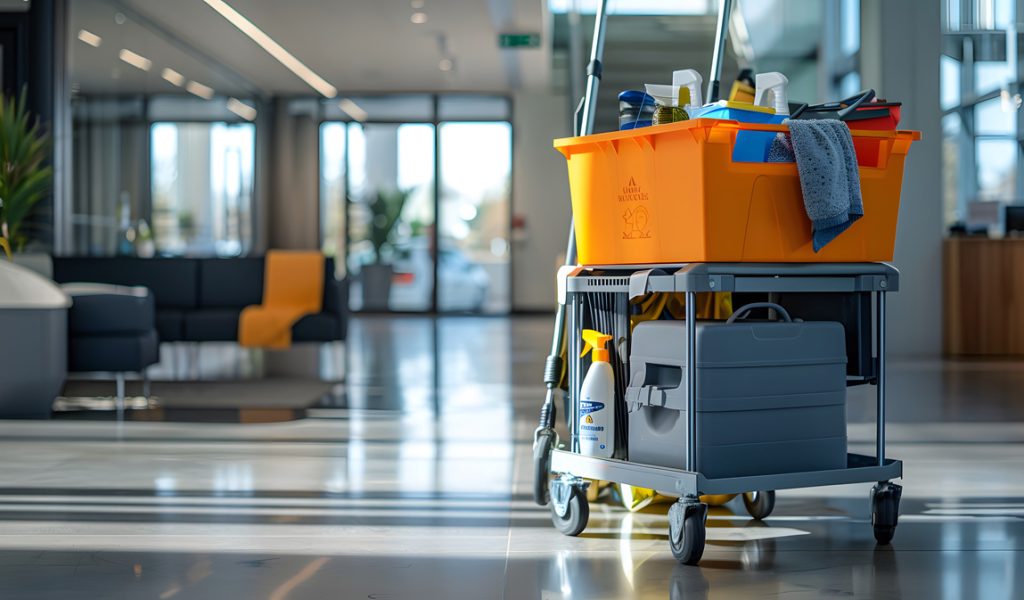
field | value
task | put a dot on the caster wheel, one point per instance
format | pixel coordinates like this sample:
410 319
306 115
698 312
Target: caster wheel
570 509
885 510
542 466
686 531
759 504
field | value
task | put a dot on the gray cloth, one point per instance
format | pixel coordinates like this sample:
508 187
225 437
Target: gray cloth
827 163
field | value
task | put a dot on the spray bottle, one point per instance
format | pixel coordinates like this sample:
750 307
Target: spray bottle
597 399
669 101
692 81
771 92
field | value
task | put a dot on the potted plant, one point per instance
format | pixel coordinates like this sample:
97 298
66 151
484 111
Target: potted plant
385 210
24 179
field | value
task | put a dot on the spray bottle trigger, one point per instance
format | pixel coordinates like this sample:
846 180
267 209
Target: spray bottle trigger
596 341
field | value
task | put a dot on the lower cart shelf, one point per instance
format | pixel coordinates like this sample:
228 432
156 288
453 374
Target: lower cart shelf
859 469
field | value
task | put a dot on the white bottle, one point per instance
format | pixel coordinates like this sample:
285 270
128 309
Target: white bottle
771 91
597 400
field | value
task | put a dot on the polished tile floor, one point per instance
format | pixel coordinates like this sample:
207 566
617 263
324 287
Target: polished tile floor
414 484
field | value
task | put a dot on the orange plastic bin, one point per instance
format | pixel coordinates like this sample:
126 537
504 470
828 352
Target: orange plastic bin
672 194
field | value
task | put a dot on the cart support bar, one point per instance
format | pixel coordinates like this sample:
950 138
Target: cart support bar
691 382
880 385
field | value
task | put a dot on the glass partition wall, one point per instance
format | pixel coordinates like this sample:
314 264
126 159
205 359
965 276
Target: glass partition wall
149 180
415 201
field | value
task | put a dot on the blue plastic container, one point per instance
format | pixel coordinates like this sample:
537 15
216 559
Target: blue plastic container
751 146
636 109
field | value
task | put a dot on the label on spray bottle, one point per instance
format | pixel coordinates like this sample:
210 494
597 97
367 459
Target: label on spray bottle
588 429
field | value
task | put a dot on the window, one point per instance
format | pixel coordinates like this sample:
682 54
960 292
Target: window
415 200
202 181
982 104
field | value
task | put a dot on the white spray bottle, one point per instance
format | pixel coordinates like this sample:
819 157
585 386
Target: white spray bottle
597 399
771 91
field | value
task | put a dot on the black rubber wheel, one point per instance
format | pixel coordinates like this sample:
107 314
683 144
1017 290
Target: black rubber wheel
577 513
885 510
687 531
542 466
759 504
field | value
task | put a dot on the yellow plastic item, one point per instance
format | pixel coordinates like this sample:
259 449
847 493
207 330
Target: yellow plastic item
710 305
596 341
741 92
636 498
717 499
744 105
672 194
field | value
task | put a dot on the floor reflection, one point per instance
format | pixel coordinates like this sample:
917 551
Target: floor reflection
412 482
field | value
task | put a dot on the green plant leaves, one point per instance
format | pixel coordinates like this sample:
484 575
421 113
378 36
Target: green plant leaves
24 180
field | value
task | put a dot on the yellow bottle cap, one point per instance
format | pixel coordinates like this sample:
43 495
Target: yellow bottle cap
595 340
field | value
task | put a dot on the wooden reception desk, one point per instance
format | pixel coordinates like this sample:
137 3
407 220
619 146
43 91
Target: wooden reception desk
983 285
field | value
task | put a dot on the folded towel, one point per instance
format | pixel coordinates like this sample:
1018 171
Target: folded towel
829 179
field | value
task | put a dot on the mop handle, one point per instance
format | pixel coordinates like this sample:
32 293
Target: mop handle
724 10
594 69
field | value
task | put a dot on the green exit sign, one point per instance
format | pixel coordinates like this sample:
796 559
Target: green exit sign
519 40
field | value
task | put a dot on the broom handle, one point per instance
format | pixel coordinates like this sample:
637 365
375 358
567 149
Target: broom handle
724 10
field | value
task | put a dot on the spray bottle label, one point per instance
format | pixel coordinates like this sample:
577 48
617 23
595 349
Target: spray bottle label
589 406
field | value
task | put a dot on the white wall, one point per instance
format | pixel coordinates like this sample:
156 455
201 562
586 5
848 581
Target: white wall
540 194
901 62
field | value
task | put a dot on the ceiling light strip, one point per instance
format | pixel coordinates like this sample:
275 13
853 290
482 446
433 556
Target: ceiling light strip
350 108
203 91
173 77
273 48
136 60
90 38
241 109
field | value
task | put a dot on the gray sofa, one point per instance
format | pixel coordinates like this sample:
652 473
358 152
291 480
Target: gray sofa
199 300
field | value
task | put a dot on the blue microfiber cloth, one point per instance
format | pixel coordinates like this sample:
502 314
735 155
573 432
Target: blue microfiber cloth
827 163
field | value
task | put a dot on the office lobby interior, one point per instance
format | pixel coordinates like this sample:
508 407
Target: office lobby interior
439 299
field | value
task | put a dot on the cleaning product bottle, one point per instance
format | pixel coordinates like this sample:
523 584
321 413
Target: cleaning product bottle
691 80
771 92
597 399
670 100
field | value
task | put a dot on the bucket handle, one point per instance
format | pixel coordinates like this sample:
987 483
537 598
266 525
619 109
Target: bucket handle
743 311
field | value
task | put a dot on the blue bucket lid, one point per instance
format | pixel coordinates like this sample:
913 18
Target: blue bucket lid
636 97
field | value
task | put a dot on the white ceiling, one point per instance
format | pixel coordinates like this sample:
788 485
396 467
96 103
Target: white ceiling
356 45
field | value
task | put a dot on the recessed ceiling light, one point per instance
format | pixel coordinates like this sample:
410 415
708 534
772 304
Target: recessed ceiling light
119 18
203 91
446 64
273 48
418 18
173 77
417 4
90 38
352 109
241 109
136 60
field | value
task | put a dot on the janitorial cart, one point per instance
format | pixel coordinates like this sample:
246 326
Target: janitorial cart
666 216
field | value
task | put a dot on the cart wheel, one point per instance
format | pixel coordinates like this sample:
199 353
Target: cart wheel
542 465
885 510
570 509
686 530
759 504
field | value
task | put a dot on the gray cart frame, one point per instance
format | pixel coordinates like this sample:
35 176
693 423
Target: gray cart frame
572 468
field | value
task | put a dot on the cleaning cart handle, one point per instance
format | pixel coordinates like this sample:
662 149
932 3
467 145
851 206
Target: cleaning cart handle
844 108
743 311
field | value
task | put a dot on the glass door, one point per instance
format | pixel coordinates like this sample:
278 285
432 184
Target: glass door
473 236
391 216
